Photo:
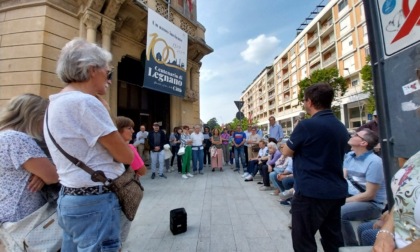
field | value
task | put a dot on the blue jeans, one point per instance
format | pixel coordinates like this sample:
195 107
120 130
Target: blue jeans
360 211
239 153
273 177
197 156
157 157
89 222
367 234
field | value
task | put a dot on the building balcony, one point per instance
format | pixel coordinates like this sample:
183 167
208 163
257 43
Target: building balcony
327 62
312 41
317 67
327 28
327 44
313 55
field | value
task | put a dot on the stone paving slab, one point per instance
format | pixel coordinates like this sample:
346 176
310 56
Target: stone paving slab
224 214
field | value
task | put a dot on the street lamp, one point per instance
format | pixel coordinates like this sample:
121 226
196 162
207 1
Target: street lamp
358 100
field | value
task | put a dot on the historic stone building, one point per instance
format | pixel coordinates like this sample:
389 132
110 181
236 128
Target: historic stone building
32 32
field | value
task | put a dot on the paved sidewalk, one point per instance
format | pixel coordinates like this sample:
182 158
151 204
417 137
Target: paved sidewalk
224 214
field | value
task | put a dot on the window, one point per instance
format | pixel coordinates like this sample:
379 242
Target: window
341 5
301 45
294 79
303 73
347 44
354 82
365 34
349 64
344 25
367 51
302 59
362 12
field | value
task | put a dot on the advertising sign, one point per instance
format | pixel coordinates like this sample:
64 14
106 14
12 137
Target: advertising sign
166 56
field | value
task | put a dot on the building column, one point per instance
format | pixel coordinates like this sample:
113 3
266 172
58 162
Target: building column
195 79
107 26
189 77
92 21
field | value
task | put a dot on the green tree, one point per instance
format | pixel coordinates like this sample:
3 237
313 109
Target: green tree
236 122
330 76
367 87
212 123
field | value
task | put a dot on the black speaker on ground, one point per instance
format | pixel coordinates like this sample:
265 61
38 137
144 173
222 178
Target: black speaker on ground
178 221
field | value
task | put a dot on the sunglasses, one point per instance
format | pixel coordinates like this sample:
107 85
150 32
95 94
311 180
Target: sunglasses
109 74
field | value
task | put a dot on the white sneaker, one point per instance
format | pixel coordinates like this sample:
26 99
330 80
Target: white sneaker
184 176
249 177
190 175
246 174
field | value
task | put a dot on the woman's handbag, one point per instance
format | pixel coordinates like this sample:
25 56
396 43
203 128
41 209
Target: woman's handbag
127 187
38 231
181 151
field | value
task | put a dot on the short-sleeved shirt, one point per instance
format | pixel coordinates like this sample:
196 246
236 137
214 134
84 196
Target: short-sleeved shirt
238 137
365 168
76 121
16 201
319 146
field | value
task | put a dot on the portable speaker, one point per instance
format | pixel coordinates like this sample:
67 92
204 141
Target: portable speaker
178 221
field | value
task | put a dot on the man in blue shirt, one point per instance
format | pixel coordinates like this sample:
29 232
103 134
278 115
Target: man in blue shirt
239 139
275 130
366 183
318 146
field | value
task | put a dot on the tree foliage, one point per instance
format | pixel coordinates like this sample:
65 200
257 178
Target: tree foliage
366 73
212 123
330 76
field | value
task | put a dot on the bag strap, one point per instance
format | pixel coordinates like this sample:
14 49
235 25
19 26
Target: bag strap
96 176
355 184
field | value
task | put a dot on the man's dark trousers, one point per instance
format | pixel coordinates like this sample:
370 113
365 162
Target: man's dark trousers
310 215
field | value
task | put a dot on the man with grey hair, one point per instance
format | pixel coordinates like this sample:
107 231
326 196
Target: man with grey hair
366 183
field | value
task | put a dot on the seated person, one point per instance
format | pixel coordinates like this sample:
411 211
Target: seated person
268 167
283 164
255 163
401 231
363 171
368 231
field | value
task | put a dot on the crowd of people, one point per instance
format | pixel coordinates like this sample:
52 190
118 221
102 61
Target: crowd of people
326 185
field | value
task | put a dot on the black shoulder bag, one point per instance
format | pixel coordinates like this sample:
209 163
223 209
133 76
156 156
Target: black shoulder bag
127 187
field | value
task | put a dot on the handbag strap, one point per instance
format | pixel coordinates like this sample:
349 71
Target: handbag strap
355 184
96 176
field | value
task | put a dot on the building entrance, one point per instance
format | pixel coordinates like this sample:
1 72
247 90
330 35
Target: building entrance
142 105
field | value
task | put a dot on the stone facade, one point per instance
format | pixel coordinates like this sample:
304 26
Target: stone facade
32 32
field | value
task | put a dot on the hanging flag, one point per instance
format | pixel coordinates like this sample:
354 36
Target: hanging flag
190 5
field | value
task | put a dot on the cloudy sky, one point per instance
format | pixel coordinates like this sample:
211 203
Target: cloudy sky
246 35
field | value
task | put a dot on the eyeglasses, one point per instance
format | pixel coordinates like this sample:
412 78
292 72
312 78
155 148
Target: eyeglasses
355 134
109 74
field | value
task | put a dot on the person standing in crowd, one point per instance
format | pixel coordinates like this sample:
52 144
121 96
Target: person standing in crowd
225 146
24 167
197 149
275 130
125 128
366 184
186 142
239 139
175 141
232 148
317 146
157 139
206 145
141 137
80 123
252 140
217 156
275 154
246 149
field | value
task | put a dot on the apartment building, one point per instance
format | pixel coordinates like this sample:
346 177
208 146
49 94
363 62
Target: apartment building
336 37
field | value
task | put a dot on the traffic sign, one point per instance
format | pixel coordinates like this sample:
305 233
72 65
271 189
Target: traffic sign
239 104
240 115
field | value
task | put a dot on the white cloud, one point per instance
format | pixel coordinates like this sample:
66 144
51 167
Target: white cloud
223 30
260 48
